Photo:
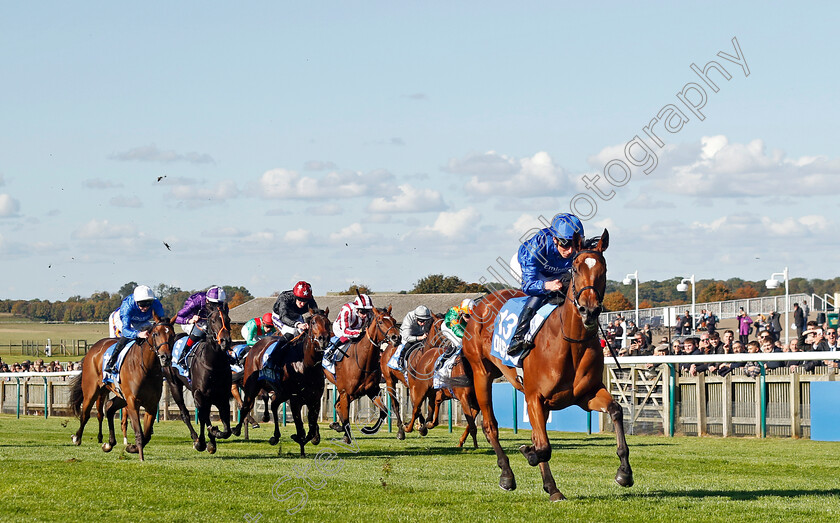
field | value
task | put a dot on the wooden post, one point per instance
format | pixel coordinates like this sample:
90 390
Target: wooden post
757 395
727 405
25 395
700 394
795 400
49 399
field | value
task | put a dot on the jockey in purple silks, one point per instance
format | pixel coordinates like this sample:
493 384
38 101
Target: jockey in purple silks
193 317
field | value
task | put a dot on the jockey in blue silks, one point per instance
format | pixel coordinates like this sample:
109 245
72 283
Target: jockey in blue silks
136 315
546 262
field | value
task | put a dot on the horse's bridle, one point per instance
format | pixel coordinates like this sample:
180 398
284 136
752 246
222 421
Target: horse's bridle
379 330
591 333
224 327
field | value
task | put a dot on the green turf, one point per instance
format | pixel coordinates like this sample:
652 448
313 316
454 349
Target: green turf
698 479
13 329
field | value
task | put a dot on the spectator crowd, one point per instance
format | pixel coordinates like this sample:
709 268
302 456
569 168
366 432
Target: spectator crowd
766 331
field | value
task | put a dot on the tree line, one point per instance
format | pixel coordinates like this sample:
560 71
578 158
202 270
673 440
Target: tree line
99 305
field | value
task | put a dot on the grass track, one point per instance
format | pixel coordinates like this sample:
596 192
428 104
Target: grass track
45 477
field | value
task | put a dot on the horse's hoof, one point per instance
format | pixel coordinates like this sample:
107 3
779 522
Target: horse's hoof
211 449
624 479
76 440
266 418
273 440
132 449
557 496
507 482
254 426
423 430
401 435
316 439
336 426
346 439
106 447
297 439
530 455
199 446
235 431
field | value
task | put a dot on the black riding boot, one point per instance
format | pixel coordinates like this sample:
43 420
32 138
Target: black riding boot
450 350
518 344
112 363
407 349
196 335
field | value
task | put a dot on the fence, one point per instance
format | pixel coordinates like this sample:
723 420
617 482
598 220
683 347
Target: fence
36 348
48 394
662 400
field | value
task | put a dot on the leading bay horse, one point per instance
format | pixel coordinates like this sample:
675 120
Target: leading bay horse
141 384
299 378
359 372
210 380
564 368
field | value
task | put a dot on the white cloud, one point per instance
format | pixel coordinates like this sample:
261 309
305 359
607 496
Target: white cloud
457 225
722 169
288 184
494 174
525 224
8 206
297 236
410 199
124 201
151 153
355 235
103 230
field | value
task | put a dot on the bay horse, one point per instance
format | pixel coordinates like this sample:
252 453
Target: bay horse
141 384
236 384
420 373
210 380
358 373
564 368
300 380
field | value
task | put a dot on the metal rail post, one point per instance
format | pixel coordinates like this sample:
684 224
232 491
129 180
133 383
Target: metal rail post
515 413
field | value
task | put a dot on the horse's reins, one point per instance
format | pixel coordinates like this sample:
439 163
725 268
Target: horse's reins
576 297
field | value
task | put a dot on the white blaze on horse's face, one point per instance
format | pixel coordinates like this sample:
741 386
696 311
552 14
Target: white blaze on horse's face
590 262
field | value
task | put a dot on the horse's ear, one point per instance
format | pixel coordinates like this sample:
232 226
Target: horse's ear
311 312
577 244
327 312
389 309
604 242
155 316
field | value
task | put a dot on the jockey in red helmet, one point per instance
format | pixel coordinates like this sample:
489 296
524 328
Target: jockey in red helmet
290 307
257 328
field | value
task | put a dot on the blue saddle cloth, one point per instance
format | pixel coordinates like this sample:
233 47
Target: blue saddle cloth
505 326
108 377
177 351
239 353
268 371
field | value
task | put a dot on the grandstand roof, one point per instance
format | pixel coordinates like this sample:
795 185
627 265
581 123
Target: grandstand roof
401 303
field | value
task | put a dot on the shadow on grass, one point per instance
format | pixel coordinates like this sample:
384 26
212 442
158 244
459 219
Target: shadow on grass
734 495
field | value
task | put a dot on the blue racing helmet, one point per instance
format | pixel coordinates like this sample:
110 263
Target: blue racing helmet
565 225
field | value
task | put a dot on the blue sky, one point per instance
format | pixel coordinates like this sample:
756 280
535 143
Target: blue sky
377 143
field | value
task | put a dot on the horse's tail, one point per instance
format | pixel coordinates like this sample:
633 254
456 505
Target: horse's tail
77 396
464 380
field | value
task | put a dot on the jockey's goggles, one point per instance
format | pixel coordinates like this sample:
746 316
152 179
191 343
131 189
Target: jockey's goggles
145 304
563 242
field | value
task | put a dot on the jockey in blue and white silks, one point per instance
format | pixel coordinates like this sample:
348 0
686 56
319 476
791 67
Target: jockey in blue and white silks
545 262
135 314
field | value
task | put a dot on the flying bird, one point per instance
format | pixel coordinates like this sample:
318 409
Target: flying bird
161 177
168 248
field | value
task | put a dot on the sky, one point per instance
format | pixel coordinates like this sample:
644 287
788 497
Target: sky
203 143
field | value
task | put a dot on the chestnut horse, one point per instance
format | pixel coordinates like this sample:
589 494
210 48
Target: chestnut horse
210 380
359 372
300 380
564 368
420 365
141 384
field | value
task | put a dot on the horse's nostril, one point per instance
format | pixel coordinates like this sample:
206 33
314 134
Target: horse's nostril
582 309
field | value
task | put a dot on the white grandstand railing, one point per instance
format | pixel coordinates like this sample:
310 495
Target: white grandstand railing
825 303
722 309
